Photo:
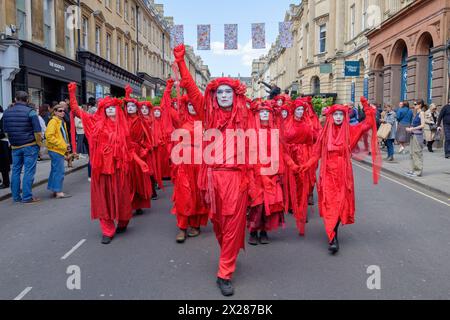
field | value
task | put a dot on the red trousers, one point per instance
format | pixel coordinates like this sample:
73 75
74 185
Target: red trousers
229 227
109 228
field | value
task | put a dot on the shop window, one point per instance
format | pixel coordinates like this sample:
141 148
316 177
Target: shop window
404 75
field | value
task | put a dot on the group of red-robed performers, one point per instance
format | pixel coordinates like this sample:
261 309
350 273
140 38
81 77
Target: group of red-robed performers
131 143
257 195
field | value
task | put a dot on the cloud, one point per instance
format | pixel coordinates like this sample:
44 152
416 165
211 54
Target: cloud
245 52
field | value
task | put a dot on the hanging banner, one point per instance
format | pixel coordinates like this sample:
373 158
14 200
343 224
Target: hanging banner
231 37
204 37
366 88
176 35
285 34
353 92
258 35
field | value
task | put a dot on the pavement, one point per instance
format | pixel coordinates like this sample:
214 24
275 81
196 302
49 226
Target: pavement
43 172
400 233
436 173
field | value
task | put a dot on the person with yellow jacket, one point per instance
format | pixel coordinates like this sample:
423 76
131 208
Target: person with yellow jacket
58 145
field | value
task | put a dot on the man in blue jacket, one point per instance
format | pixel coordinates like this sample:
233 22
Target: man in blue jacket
21 124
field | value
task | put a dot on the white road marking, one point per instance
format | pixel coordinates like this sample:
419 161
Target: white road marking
73 249
23 293
406 186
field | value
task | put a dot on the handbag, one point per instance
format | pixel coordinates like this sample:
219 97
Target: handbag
384 131
433 126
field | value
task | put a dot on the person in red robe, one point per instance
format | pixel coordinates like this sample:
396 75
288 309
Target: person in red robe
297 137
188 204
159 141
266 194
108 135
139 145
336 186
145 111
224 184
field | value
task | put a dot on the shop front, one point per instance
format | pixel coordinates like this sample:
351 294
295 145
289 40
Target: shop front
102 78
45 74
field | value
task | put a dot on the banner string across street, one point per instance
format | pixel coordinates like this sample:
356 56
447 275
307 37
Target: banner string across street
258 31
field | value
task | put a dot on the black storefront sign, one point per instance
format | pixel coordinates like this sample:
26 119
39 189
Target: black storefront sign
45 74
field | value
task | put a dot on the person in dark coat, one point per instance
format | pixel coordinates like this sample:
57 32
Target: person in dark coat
5 155
444 117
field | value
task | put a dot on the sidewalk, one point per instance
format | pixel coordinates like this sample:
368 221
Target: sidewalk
436 172
43 171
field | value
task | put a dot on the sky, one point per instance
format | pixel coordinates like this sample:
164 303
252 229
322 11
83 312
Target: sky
190 13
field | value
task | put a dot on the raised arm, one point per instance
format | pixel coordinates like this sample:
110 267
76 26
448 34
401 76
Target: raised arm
73 100
166 98
188 82
267 85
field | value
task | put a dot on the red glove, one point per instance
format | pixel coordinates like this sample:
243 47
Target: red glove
72 87
179 52
170 82
128 91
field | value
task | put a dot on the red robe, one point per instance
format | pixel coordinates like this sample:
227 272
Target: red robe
188 203
336 186
110 159
224 185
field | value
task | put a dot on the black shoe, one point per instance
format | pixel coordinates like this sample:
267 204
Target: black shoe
263 238
4 186
121 230
311 200
155 197
225 287
334 245
139 212
106 240
253 240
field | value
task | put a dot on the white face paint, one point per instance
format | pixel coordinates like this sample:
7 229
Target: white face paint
225 96
338 117
175 105
284 114
111 111
264 115
280 102
145 111
157 113
131 108
299 112
191 109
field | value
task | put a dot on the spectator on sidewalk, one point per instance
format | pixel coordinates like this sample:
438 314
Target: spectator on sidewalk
21 124
58 145
390 117
430 129
416 130
43 129
404 119
81 146
44 112
353 114
444 118
5 155
273 91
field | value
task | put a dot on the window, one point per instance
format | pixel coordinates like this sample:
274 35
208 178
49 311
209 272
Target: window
85 37
21 18
322 38
119 6
404 75
364 15
108 47
48 23
352 21
133 17
144 31
68 35
97 40
126 57
119 50
133 54
126 10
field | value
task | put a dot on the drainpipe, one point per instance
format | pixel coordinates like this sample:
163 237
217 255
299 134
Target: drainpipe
137 38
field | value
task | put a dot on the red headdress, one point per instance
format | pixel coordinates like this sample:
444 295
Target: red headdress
127 99
259 105
214 116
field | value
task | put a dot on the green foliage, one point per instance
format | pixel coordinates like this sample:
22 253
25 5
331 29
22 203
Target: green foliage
320 103
156 101
294 96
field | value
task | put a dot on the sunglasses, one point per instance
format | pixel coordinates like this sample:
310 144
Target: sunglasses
59 110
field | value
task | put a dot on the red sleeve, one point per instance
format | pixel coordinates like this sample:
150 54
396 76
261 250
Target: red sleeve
357 131
193 92
85 117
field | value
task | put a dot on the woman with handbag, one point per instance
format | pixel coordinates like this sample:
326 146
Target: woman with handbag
390 119
430 129
416 131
